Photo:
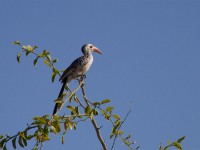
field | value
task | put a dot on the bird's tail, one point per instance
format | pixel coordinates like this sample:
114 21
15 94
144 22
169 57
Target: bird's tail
61 92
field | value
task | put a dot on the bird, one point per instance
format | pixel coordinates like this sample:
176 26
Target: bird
78 68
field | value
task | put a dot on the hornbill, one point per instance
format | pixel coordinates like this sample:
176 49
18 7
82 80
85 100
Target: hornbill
77 68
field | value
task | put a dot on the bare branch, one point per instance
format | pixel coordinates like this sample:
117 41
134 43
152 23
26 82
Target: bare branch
93 120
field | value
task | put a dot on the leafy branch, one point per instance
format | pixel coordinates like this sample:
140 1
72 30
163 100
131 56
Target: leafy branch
42 126
176 144
93 119
45 55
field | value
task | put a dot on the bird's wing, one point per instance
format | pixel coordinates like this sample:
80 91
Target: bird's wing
74 67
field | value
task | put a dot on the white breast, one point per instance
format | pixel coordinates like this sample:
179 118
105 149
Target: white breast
87 66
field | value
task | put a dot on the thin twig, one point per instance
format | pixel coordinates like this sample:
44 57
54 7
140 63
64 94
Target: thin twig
81 120
79 115
93 121
28 128
120 127
109 119
80 103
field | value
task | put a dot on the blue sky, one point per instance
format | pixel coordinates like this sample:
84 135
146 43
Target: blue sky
151 57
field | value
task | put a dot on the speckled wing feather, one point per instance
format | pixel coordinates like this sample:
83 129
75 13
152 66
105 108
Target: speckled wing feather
73 71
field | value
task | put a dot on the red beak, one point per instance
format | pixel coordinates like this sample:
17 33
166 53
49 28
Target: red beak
95 49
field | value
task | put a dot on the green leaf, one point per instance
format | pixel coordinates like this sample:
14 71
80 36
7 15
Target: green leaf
105 101
116 117
47 63
56 118
58 101
64 94
55 70
177 145
77 110
1 136
36 118
25 134
95 112
45 53
71 108
24 141
46 129
106 115
110 108
20 141
45 138
14 143
55 60
120 132
96 104
27 52
22 135
88 110
57 126
49 57
66 124
35 47
39 121
70 126
52 129
70 97
35 61
74 126
114 130
181 139
30 137
16 43
40 55
28 48
18 57
76 99
2 142
111 135
63 140
53 77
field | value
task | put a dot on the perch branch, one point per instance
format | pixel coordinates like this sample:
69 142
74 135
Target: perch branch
93 120
81 83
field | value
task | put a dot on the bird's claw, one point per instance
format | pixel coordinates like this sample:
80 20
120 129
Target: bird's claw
81 79
83 76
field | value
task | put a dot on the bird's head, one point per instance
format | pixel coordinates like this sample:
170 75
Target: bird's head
89 48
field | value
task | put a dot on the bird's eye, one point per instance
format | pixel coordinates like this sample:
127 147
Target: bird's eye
91 46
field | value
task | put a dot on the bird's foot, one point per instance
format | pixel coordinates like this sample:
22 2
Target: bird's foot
83 76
